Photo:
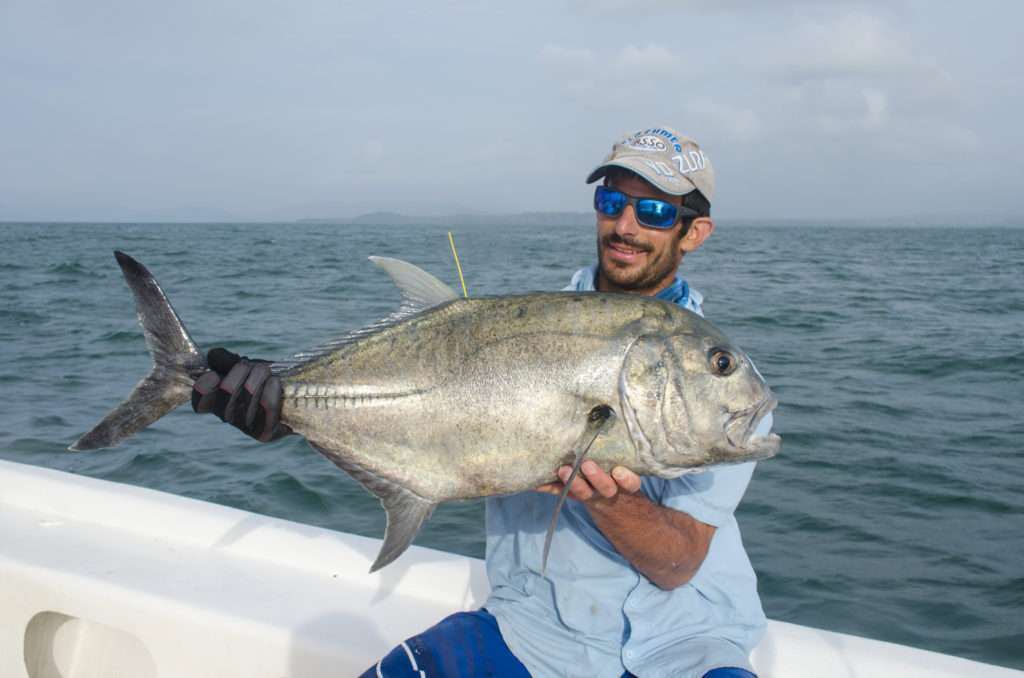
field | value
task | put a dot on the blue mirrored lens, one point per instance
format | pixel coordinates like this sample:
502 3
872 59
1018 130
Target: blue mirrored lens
608 202
656 213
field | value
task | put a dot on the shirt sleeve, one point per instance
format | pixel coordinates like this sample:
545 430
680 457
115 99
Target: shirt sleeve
712 496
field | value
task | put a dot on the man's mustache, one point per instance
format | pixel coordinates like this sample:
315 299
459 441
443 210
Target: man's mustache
617 239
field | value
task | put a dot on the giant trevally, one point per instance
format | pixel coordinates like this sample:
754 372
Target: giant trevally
454 398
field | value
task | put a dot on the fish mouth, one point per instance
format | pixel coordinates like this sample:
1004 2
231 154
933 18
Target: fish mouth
740 431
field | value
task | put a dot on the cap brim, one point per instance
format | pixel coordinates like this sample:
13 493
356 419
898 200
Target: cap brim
674 185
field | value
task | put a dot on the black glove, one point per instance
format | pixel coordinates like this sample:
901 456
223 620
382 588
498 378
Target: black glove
243 393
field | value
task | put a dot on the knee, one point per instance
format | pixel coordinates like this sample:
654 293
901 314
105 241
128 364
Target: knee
399 663
729 672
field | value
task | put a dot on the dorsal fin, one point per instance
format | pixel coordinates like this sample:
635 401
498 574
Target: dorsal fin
420 290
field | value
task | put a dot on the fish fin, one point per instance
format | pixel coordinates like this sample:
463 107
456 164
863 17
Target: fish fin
176 363
598 419
406 511
420 290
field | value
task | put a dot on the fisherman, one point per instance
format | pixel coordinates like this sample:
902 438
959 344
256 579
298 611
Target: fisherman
648 577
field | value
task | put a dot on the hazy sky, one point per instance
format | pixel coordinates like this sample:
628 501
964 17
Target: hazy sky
217 109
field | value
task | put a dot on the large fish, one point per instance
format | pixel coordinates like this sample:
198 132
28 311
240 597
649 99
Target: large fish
456 398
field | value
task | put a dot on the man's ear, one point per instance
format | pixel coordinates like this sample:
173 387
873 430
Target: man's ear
701 229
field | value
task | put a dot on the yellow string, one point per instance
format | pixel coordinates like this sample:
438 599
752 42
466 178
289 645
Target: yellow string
455 254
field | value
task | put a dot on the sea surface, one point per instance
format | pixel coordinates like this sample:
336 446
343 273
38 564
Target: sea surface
895 510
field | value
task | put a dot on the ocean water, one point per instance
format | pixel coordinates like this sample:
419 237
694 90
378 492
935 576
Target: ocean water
895 510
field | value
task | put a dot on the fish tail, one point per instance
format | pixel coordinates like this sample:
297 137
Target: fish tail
177 362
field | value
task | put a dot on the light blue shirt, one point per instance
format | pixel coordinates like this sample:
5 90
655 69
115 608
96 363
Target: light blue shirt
593 614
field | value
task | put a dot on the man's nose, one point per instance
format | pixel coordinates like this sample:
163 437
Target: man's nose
626 224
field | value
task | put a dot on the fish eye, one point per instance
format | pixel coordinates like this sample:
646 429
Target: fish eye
723 363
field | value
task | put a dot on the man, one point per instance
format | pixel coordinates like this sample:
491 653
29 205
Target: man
647 576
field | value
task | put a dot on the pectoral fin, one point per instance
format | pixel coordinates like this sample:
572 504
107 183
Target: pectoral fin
600 417
406 511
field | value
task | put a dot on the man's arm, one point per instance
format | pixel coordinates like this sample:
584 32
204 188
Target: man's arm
665 545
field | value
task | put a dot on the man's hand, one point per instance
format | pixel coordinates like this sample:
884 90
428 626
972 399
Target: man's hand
592 483
243 393
665 545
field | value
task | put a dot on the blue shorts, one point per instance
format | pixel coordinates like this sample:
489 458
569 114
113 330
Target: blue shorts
466 644
469 645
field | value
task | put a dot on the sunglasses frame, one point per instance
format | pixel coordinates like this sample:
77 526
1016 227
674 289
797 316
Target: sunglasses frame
682 212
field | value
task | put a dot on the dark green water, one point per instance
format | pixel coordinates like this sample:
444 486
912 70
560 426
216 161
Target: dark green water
895 511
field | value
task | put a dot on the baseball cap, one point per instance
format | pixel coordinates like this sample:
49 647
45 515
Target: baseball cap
672 162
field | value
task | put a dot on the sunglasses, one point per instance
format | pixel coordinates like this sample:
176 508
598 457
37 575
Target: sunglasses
649 212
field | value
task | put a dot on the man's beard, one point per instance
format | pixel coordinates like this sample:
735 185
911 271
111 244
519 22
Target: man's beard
644 278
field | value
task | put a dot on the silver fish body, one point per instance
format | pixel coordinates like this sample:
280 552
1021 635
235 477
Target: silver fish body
487 396
460 398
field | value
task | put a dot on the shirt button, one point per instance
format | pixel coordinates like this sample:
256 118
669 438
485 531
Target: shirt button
628 654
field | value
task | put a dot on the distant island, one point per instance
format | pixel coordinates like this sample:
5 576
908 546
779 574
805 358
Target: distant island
540 219
398 219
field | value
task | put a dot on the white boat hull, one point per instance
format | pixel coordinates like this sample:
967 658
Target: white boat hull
104 580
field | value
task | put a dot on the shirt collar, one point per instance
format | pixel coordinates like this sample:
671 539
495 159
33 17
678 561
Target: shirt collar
678 292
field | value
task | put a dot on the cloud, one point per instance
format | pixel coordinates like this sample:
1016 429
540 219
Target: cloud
692 6
851 45
646 62
124 106
567 57
735 122
583 72
373 150
854 71
877 104
575 68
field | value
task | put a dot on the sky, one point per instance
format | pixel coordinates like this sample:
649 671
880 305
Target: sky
196 110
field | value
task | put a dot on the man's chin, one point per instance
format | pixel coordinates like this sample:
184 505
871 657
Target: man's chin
622 276
632 278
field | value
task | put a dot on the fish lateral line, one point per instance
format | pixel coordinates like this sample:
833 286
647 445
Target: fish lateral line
301 394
